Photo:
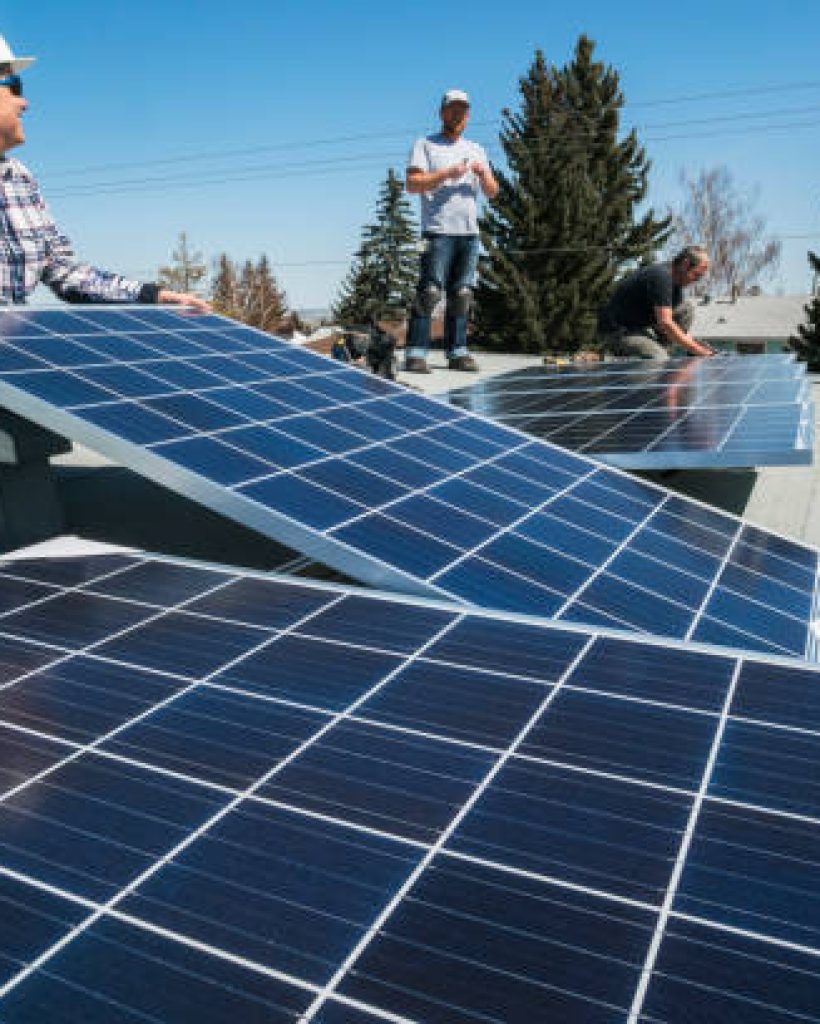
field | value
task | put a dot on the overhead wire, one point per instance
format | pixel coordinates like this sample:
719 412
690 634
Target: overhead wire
332 165
406 133
755 90
399 156
540 251
370 161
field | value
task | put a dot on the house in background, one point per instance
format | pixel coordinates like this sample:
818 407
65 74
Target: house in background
750 324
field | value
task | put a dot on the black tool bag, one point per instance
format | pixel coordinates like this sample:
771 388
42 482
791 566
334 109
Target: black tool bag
381 353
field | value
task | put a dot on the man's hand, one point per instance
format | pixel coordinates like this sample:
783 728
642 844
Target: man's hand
486 178
428 181
665 323
170 298
700 349
457 171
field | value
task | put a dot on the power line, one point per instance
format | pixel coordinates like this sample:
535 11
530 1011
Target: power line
590 133
581 133
231 154
728 94
263 168
151 185
223 154
751 130
544 251
332 165
751 115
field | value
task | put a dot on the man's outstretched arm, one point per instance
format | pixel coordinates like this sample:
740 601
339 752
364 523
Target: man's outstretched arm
670 330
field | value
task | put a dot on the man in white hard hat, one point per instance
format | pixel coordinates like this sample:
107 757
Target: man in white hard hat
448 172
32 249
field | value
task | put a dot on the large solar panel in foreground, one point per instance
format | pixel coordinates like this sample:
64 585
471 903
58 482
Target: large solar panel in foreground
397 489
689 413
229 798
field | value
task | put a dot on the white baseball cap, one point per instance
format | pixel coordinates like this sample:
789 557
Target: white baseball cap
7 57
455 96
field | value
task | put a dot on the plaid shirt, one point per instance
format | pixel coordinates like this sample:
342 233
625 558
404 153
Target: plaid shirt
32 249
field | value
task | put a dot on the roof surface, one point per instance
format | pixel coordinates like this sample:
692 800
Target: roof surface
752 316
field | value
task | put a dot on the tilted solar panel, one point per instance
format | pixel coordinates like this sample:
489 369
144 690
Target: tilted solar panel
397 489
694 413
229 798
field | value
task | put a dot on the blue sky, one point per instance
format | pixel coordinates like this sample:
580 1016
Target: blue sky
276 93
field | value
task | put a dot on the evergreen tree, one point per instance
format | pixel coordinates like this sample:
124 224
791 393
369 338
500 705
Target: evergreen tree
563 224
358 301
382 278
268 305
249 294
186 270
807 341
225 287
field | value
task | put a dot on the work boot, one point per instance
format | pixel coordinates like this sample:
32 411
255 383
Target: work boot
415 364
466 363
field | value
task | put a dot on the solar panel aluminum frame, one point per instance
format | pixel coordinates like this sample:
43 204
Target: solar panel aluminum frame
434 602
269 522
663 910
802 454
783 364
354 561
546 424
722 457
448 602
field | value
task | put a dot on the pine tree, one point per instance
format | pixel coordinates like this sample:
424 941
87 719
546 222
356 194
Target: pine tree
249 294
358 301
806 343
186 270
382 278
563 223
225 287
268 304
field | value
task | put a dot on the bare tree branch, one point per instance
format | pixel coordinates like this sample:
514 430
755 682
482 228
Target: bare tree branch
186 270
714 214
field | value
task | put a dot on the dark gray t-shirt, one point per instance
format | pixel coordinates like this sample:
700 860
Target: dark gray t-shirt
632 304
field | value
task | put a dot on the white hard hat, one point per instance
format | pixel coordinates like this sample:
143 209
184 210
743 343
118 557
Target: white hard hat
7 57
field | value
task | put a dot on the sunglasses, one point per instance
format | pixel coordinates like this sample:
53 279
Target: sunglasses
13 83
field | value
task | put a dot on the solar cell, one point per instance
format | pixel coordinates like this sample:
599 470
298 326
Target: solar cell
403 491
496 818
690 413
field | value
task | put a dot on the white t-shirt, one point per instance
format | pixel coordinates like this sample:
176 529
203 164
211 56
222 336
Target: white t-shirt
450 209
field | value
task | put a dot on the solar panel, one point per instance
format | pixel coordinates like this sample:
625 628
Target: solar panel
692 413
397 489
225 797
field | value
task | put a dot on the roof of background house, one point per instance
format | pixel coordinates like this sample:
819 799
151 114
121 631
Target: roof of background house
751 316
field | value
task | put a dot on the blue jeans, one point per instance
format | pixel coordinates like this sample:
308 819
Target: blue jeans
448 265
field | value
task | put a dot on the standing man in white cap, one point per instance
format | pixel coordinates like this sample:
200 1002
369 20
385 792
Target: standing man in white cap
448 172
32 249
